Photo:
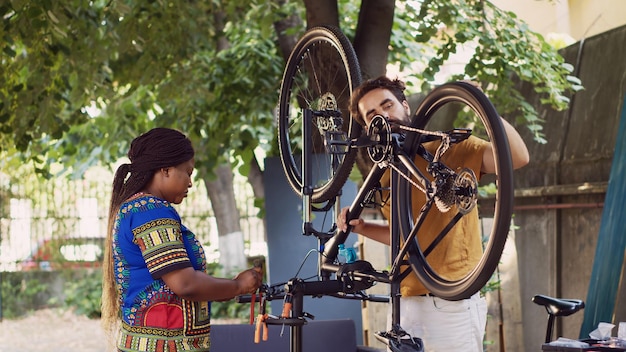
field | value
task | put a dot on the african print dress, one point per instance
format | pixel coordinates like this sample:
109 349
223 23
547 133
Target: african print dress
149 241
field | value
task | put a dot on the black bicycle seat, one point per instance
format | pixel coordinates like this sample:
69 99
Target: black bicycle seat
559 306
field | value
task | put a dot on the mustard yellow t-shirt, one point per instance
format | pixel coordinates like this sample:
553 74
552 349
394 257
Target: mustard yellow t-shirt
461 248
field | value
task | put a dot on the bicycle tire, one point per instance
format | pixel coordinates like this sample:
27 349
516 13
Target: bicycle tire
321 68
466 97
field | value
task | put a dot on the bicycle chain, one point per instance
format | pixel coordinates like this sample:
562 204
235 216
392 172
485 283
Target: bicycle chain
408 178
445 139
440 151
432 133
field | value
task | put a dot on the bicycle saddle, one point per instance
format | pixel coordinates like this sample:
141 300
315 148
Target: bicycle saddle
560 307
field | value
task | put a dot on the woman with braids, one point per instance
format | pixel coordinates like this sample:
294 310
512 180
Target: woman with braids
156 292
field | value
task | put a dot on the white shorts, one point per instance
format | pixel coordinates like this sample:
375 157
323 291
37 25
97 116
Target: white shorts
443 325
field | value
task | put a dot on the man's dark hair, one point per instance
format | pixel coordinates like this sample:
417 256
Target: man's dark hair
395 86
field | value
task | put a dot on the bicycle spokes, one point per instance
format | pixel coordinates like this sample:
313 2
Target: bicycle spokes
320 75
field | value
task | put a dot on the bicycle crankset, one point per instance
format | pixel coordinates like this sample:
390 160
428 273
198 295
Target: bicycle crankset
382 137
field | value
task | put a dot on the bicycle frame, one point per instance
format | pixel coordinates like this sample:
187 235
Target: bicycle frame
296 288
330 245
398 153
397 157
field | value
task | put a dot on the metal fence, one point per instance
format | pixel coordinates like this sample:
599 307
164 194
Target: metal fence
32 212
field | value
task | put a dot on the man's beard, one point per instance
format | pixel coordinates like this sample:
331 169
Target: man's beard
396 125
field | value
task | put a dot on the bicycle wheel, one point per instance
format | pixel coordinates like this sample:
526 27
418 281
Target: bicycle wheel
459 230
320 74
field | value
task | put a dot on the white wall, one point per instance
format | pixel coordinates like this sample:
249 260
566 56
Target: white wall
577 18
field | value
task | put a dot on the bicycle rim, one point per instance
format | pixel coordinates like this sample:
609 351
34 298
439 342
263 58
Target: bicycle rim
459 105
320 74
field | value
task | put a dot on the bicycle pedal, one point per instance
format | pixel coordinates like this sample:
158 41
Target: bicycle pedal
395 344
407 345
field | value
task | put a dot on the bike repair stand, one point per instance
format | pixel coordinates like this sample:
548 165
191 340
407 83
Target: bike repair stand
293 314
295 290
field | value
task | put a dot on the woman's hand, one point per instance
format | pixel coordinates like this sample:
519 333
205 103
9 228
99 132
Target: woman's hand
195 285
248 281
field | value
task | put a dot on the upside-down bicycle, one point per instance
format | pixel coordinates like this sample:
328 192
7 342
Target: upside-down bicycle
314 122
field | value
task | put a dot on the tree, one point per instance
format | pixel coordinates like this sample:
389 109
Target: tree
422 35
161 63
213 69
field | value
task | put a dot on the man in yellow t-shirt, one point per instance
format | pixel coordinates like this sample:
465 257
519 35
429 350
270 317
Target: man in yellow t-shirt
441 324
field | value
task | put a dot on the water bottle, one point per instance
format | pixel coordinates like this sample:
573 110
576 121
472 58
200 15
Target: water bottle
348 253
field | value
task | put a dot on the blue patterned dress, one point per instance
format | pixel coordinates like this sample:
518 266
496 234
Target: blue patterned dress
149 241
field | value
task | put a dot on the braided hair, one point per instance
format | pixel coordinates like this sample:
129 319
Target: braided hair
148 153
151 151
